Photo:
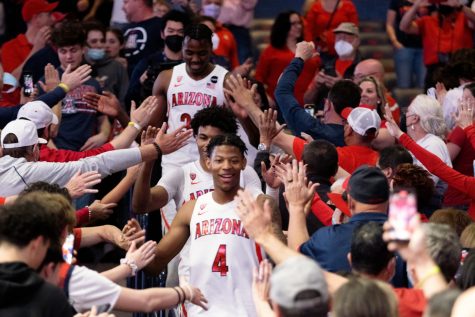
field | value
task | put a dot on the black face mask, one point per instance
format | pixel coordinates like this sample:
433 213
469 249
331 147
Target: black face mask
174 42
446 10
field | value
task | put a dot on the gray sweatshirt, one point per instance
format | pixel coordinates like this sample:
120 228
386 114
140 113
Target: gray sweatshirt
11 182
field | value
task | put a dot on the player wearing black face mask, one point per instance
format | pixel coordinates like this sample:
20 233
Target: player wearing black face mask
144 74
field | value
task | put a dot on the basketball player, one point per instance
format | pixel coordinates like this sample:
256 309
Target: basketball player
221 255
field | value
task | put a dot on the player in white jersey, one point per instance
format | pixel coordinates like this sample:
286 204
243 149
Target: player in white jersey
221 254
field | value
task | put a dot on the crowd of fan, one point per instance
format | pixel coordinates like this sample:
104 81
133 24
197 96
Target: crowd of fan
319 147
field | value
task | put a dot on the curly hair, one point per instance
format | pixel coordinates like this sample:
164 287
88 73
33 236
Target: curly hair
218 117
416 178
70 33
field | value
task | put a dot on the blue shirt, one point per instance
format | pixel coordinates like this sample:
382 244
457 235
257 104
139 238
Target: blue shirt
329 246
297 119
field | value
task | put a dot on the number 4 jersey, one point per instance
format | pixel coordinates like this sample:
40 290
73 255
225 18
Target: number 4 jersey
185 97
222 257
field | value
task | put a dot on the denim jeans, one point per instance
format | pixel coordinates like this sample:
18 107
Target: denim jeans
410 69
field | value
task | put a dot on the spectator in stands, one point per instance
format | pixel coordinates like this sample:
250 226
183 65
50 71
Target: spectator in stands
237 16
467 238
141 34
161 7
442 33
467 278
336 67
115 44
111 75
461 153
20 145
81 127
409 64
323 17
391 157
25 235
286 32
343 94
456 219
441 304
37 15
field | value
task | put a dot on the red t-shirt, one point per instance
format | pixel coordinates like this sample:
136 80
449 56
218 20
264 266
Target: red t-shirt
15 52
273 62
317 19
463 163
59 155
412 302
453 35
342 66
227 46
350 157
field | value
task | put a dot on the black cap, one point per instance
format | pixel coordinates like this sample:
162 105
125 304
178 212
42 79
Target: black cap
368 185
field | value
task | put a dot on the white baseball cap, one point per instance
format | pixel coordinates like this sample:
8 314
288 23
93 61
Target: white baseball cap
361 119
39 113
24 130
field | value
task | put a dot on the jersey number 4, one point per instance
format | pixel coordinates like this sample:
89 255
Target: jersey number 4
219 263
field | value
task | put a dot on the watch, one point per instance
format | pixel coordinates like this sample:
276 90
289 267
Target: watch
262 147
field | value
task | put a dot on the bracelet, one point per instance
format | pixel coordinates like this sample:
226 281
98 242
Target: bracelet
64 87
157 148
89 212
434 271
131 263
179 296
184 295
191 292
135 125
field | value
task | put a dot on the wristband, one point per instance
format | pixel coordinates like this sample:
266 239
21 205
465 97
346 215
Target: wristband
89 212
179 296
191 292
131 264
184 294
157 148
135 125
64 87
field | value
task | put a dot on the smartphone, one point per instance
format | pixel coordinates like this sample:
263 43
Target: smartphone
68 249
330 70
28 84
310 109
402 208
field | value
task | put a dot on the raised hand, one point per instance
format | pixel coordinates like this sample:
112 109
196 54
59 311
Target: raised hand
391 125
148 136
100 211
41 38
270 175
256 220
464 117
107 103
132 232
268 127
195 296
237 88
81 184
51 78
298 192
142 115
76 78
169 143
305 50
94 141
142 256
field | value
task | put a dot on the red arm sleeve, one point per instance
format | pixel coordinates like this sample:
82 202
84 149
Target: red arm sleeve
77 238
436 166
298 146
54 155
321 210
470 133
82 216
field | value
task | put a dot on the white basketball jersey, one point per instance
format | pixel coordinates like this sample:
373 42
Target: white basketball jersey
222 257
185 97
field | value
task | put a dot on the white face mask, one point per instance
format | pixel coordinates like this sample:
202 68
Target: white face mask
215 40
211 10
343 48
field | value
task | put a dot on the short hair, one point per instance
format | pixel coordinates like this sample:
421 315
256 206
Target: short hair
218 117
280 29
457 219
68 34
314 311
54 255
48 188
58 207
444 248
392 156
380 91
226 139
467 277
22 222
344 93
321 158
441 303
369 252
410 176
94 26
199 32
118 33
175 16
467 238
17 152
363 297
430 115
471 88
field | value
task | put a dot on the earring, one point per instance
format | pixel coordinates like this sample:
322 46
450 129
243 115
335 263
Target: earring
412 127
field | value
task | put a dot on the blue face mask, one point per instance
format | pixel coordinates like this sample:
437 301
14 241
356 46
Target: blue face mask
96 54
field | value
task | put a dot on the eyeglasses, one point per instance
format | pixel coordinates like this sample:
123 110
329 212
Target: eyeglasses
410 114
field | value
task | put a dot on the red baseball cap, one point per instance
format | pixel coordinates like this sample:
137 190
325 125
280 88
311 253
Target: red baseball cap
338 201
32 7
